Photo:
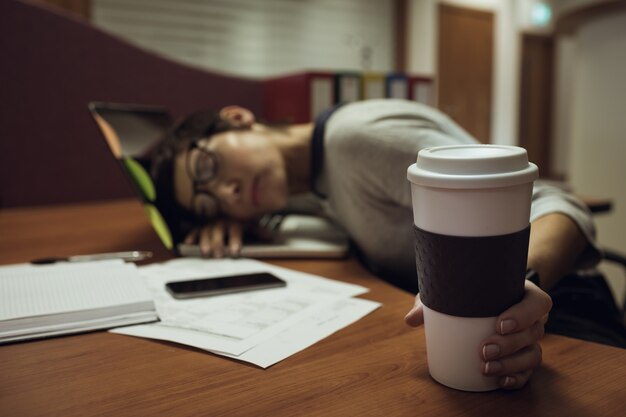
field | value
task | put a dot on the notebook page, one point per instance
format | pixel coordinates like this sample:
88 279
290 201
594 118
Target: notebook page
43 290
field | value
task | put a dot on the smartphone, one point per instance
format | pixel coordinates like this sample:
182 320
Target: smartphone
205 287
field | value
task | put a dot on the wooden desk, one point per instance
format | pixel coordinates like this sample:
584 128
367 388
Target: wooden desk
374 367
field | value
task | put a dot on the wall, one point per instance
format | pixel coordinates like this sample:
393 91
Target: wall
597 122
564 72
422 37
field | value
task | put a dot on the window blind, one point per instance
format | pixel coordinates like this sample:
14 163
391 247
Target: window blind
257 38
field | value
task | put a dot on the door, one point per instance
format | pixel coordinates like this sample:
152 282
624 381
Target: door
465 62
535 109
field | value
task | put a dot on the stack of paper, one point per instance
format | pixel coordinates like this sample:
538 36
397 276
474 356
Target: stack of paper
262 327
49 300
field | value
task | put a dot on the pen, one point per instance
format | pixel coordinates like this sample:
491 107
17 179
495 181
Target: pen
129 256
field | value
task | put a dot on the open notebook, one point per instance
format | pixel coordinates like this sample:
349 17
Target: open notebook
50 300
130 130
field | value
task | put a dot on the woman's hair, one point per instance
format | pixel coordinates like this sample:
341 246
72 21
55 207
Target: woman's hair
198 125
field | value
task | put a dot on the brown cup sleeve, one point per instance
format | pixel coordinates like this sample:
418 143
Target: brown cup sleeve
471 276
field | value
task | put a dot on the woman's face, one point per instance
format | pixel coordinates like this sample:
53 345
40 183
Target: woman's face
250 180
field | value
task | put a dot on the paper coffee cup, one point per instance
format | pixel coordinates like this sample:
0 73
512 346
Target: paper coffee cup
471 209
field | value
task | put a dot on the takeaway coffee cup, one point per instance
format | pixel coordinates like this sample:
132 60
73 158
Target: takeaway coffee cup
471 209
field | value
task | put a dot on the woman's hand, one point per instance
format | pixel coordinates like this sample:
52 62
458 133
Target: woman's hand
225 236
214 237
513 352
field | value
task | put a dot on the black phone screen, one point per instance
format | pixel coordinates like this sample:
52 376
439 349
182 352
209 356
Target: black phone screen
204 287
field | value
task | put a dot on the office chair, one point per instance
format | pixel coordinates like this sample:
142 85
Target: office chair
584 306
619 259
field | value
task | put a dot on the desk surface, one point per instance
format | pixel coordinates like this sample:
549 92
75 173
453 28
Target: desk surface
376 366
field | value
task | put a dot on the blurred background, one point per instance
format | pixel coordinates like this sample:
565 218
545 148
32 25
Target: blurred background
547 75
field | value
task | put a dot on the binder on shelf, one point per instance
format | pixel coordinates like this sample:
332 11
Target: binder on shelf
421 90
298 98
347 87
373 85
396 86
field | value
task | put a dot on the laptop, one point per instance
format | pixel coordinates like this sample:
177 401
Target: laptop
131 130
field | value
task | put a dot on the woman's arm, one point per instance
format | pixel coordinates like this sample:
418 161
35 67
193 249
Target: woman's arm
555 244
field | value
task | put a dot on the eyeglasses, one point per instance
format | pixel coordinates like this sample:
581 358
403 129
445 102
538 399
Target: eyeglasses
202 166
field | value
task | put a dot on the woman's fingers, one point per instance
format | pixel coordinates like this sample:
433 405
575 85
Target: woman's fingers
522 361
215 237
534 307
415 317
498 346
192 237
235 238
513 352
204 240
515 381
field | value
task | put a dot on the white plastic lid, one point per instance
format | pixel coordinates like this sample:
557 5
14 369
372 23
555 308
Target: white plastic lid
472 166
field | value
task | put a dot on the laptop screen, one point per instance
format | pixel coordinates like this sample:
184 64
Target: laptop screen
131 131
135 127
